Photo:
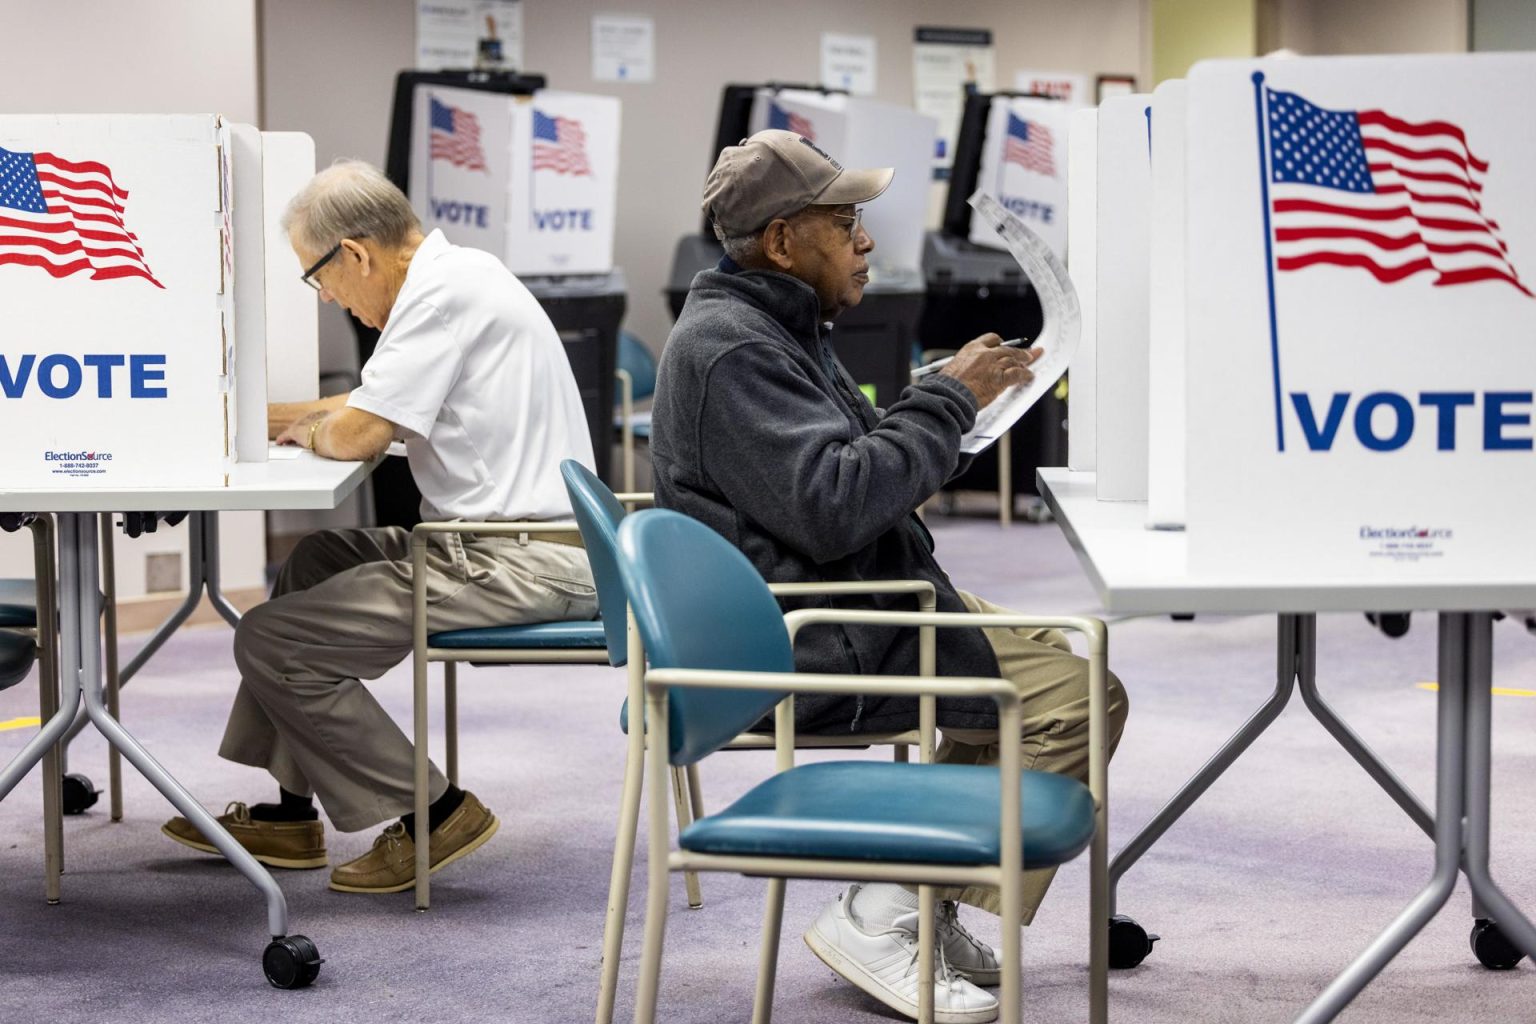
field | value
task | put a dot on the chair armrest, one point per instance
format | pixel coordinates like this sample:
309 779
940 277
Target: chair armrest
499 528
1092 629
922 588
636 497
829 684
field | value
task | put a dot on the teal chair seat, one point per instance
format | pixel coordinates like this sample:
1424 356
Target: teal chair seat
18 604
906 813
538 636
16 656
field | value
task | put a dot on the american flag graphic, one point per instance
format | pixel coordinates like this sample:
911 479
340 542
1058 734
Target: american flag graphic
66 217
789 121
1029 146
456 137
1391 197
560 145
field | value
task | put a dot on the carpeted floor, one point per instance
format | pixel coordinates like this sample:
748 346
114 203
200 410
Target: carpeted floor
1277 879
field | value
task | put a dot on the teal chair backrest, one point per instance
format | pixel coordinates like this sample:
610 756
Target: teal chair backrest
636 360
699 603
598 514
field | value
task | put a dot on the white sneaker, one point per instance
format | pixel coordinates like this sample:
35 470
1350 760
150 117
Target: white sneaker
884 964
968 955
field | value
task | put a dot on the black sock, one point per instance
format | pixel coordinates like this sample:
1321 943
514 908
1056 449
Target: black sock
437 812
290 807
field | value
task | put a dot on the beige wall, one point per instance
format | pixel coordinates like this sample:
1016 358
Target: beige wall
1374 26
181 56
329 67
1186 31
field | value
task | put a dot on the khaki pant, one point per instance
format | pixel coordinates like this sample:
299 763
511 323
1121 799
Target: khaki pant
1053 683
341 613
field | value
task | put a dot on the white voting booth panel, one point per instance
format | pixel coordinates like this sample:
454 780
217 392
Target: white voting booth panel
1121 264
864 133
1165 278
292 311
1082 227
533 179
1362 251
116 280
1024 164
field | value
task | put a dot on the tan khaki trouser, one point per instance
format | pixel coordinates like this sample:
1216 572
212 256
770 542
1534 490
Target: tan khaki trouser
340 613
1053 683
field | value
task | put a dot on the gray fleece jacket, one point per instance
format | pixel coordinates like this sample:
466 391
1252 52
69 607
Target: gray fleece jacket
760 433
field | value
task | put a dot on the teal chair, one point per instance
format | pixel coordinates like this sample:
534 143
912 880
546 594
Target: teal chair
720 657
598 513
636 374
543 643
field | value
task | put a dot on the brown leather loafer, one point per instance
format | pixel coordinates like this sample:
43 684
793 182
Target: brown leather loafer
278 844
391 865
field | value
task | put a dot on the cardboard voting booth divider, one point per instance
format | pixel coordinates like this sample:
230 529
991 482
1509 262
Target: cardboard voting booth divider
1082 228
1166 297
133 273
292 312
533 180
1121 264
1024 164
1361 262
116 277
864 133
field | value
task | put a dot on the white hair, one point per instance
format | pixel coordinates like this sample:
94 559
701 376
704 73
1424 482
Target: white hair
742 248
350 199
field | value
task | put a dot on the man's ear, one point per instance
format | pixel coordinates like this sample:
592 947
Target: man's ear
354 250
778 244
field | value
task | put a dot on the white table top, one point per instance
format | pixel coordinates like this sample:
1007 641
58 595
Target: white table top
1136 570
303 482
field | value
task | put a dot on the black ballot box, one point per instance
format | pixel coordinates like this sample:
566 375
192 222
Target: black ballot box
874 340
972 289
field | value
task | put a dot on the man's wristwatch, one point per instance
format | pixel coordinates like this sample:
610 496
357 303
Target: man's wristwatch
310 441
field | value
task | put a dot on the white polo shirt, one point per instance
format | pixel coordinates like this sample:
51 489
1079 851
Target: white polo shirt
473 375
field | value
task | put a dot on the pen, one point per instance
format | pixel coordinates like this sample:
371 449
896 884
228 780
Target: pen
937 364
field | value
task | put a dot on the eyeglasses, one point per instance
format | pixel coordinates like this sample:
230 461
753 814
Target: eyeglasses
857 221
309 275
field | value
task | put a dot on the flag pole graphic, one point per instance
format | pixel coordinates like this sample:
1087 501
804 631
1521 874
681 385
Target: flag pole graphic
1269 255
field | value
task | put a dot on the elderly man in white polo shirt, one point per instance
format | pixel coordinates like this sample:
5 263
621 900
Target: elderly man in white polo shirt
471 375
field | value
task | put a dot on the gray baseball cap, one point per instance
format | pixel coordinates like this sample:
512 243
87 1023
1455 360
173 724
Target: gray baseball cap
777 173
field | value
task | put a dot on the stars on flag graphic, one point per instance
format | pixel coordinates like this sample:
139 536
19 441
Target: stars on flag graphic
559 145
66 217
456 137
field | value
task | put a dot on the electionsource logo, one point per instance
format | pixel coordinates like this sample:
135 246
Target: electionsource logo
52 456
1406 543
1404 533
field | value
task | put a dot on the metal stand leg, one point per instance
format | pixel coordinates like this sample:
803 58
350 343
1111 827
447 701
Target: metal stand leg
1352 744
1489 900
109 617
48 703
1285 681
1450 779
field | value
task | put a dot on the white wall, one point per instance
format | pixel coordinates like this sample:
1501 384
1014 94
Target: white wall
329 67
147 57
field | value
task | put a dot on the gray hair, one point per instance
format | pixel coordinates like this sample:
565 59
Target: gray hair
350 199
742 248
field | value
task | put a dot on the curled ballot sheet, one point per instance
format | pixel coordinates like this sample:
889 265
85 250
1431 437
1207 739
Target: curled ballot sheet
1058 337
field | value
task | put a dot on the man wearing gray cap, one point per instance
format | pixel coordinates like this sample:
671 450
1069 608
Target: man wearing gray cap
759 432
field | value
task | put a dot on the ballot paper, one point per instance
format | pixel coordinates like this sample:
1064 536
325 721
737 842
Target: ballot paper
1058 337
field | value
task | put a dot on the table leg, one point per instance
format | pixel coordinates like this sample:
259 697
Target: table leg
79 591
1488 899
1352 744
1285 680
1450 777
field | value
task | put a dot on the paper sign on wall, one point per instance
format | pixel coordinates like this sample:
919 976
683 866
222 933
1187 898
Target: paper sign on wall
468 33
944 62
848 62
1369 227
1070 87
1024 164
623 48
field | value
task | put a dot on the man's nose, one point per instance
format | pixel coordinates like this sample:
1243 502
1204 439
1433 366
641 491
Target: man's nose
865 241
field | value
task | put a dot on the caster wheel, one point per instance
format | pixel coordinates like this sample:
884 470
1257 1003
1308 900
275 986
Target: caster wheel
79 794
1129 942
291 962
1182 616
1492 948
1393 624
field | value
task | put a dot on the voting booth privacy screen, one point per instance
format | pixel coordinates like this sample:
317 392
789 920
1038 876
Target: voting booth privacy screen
533 180
1361 318
1024 164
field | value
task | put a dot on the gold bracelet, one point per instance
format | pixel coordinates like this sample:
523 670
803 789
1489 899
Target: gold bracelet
310 443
